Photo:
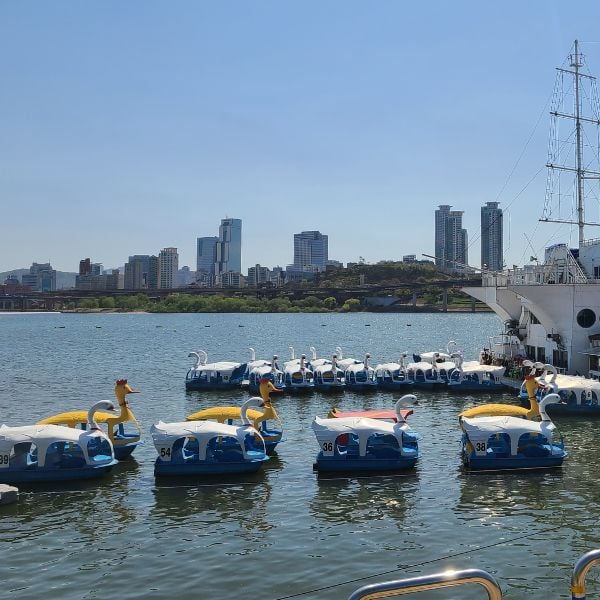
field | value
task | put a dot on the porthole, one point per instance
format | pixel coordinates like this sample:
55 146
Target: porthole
586 318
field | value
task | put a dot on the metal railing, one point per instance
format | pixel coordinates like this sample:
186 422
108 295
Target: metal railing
437 581
580 571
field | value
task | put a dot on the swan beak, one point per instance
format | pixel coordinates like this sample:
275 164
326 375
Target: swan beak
134 392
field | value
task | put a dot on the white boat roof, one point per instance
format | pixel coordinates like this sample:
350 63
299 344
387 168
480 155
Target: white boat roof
504 424
358 367
423 365
326 368
447 364
344 363
253 364
45 435
319 362
222 366
389 367
432 356
570 382
476 367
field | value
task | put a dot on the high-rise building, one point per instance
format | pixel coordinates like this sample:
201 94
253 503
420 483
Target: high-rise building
152 272
492 253
229 247
168 265
41 277
206 256
257 275
136 272
310 251
451 247
85 266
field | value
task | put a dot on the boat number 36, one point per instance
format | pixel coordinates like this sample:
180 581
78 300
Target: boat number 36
480 447
328 447
4 459
165 452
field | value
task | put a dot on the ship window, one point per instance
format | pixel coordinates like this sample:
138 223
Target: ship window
586 318
560 359
533 319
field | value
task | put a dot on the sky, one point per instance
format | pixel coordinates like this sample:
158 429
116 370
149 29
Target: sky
127 127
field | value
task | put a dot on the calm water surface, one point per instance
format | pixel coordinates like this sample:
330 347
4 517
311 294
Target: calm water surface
281 533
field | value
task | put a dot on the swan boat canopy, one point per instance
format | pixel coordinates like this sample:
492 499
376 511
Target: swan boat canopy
269 370
213 376
208 448
506 442
34 453
473 376
366 445
391 376
361 376
297 376
579 395
328 377
123 429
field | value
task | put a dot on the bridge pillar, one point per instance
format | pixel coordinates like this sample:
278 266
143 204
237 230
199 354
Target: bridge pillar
414 298
445 300
472 304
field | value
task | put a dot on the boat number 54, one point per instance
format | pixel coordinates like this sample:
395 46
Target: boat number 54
165 452
480 447
328 447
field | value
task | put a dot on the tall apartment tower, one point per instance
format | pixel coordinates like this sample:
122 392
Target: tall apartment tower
206 255
451 241
136 272
311 251
492 252
168 265
229 247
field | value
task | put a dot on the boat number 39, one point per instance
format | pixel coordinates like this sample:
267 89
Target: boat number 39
480 447
328 447
4 459
165 452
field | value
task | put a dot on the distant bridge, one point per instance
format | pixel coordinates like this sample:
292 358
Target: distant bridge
57 300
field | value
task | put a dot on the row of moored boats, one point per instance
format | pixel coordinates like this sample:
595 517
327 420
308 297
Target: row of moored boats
239 439
304 374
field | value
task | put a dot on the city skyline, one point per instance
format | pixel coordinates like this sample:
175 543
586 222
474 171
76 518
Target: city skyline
291 117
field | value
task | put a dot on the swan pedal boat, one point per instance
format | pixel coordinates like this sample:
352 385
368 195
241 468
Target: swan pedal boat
359 444
360 376
297 376
503 442
36 453
213 376
208 448
123 429
272 434
259 369
472 376
392 376
328 377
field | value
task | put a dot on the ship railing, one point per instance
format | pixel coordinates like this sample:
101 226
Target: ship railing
425 583
451 579
559 272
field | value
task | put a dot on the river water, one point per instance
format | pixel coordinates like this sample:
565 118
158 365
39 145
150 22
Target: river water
281 533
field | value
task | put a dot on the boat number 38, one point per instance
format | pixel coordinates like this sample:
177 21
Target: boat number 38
328 447
480 447
165 452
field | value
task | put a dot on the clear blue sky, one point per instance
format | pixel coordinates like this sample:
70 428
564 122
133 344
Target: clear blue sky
130 126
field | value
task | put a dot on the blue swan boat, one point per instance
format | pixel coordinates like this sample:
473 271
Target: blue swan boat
358 444
35 453
505 442
209 447
361 376
213 376
297 376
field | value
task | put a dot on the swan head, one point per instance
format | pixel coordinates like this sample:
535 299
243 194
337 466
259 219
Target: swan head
200 356
102 405
404 402
253 402
552 398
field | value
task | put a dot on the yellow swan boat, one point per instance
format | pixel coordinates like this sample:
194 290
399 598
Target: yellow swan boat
123 429
272 434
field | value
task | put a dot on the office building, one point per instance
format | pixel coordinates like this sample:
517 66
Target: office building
41 277
257 275
136 272
152 279
85 266
168 265
229 247
492 257
206 257
451 241
310 251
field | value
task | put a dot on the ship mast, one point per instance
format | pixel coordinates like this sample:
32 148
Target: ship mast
576 63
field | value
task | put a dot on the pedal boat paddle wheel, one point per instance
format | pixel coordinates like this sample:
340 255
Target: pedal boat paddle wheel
123 429
35 453
497 443
207 448
265 420
360 444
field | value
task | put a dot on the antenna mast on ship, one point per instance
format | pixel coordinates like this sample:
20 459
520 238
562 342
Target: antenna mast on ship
576 62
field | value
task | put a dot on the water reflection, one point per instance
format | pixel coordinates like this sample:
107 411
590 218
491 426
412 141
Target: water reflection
364 499
214 501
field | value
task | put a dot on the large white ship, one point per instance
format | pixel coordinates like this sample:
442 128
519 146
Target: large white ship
551 310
